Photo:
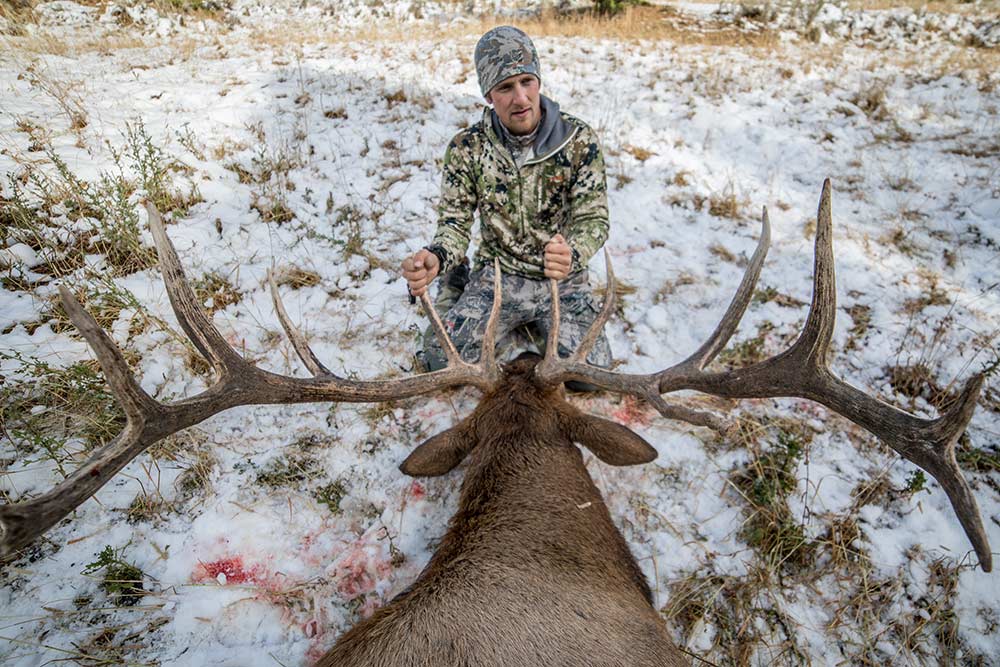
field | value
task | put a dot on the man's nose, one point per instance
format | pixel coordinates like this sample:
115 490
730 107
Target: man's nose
521 95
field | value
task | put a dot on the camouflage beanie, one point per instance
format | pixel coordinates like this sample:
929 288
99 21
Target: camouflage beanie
502 52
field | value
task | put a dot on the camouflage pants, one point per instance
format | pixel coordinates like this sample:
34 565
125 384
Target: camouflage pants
526 304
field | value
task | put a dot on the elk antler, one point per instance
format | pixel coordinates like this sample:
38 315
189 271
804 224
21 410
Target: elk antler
238 382
801 371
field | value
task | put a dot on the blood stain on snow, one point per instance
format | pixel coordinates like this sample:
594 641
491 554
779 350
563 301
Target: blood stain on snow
417 491
632 412
354 576
232 568
357 575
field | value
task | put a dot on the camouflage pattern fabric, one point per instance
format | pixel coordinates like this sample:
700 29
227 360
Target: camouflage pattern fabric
525 302
503 52
520 209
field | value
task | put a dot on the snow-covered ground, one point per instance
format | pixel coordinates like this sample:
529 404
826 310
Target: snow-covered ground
339 139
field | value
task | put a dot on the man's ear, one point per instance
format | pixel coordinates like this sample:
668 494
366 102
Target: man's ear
440 454
489 98
612 443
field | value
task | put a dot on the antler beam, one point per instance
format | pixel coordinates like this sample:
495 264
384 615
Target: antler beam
803 371
238 383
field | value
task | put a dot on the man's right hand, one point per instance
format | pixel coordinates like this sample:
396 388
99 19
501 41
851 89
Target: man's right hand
420 270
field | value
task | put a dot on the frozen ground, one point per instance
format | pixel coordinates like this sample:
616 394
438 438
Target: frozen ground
264 532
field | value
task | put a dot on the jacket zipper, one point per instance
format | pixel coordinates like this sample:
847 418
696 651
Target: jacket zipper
517 171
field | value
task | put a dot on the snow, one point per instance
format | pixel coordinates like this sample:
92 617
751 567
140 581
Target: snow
244 573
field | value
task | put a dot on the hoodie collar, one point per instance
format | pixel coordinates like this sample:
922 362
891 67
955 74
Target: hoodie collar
552 132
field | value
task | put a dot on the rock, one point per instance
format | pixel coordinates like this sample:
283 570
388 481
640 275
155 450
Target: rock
65 12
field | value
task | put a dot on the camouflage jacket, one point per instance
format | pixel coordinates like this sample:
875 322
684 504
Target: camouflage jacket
561 190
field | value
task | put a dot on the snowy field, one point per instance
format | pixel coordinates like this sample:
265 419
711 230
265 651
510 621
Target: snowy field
309 140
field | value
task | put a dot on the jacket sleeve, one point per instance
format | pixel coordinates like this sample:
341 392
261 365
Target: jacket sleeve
457 207
588 224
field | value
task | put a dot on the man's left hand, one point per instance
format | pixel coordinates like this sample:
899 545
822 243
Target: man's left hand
558 257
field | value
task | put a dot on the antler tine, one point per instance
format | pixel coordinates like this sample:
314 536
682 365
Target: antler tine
551 357
734 313
136 403
929 443
684 414
483 373
556 370
818 330
192 318
20 523
302 348
551 367
610 297
452 354
487 359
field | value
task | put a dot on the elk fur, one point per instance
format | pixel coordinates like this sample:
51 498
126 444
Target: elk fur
532 570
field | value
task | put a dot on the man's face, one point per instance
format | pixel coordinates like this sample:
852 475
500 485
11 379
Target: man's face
517 101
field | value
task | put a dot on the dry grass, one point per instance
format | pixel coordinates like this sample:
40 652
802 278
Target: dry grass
947 6
632 25
639 153
216 292
295 278
39 40
42 42
646 23
745 614
741 619
635 24
66 95
861 318
727 203
720 251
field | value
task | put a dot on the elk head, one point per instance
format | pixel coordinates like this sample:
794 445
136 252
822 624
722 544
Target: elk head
522 404
527 388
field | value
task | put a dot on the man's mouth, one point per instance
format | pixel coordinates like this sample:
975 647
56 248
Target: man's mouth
521 114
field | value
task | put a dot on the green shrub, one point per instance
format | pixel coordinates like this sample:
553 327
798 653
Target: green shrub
122 580
612 7
48 405
765 485
105 212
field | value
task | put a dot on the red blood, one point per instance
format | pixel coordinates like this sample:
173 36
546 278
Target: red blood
354 580
233 568
417 490
632 413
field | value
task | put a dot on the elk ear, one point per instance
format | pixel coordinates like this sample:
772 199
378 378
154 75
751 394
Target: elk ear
613 443
439 454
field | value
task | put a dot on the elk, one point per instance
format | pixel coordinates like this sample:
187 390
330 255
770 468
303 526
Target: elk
531 570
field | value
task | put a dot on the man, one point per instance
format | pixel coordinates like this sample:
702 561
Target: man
536 176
